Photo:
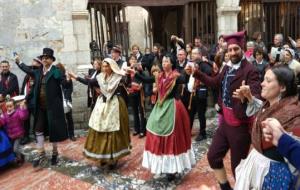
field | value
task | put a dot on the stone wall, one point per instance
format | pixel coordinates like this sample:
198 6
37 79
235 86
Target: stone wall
27 26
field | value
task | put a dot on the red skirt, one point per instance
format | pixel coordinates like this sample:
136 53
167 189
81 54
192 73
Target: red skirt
173 153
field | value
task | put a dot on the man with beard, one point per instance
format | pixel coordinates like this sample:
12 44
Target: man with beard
8 82
233 132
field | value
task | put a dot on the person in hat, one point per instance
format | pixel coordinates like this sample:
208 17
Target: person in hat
116 55
26 89
233 132
49 117
289 59
168 149
8 82
108 138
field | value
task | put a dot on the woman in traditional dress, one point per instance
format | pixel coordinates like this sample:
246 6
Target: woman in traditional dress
168 146
265 168
108 139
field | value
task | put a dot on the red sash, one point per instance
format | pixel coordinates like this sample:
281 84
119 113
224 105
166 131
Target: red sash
232 120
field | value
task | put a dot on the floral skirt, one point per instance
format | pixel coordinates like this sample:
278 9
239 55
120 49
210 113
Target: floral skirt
259 172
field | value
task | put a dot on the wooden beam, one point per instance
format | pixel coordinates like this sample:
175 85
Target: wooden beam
147 2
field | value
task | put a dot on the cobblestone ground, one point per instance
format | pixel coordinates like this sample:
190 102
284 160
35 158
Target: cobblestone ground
74 171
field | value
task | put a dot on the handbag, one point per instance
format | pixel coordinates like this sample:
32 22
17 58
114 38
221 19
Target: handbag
66 103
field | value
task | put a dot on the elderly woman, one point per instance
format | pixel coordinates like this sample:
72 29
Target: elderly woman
265 167
168 141
289 59
108 139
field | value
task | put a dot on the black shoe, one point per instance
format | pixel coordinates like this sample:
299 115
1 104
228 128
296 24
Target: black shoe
25 140
135 133
171 177
40 160
142 135
200 138
113 165
72 138
54 160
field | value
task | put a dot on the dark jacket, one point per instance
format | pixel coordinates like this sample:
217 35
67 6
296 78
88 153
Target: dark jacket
57 127
29 93
92 84
67 86
246 72
147 61
9 84
261 68
290 148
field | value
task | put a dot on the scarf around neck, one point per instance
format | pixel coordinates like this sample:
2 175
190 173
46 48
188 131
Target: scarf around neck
108 85
165 84
286 111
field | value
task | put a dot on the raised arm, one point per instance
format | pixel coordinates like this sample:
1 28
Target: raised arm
211 81
25 68
145 79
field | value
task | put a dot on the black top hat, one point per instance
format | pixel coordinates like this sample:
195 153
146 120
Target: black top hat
48 52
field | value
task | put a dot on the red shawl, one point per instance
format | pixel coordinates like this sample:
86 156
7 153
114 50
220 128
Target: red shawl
165 84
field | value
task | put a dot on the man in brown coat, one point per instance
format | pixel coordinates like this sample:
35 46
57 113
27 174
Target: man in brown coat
234 127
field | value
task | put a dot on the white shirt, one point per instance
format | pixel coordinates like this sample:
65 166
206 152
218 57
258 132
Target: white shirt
46 71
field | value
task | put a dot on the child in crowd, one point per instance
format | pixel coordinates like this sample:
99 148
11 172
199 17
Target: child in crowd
12 121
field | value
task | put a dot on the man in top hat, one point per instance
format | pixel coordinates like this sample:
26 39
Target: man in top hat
49 117
234 125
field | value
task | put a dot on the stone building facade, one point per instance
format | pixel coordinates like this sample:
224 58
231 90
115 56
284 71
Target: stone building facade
64 25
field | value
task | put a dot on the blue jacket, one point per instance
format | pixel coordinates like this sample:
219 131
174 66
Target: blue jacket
290 149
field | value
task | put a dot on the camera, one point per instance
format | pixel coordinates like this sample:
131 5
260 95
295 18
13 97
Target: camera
277 53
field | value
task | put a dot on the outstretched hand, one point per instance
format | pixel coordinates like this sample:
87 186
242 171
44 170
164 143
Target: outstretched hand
243 93
72 75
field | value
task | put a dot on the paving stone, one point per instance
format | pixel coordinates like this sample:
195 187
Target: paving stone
74 171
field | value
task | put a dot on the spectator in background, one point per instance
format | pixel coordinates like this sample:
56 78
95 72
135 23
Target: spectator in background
67 88
188 49
135 49
296 46
259 62
27 86
93 90
216 48
249 51
8 83
289 59
198 44
257 38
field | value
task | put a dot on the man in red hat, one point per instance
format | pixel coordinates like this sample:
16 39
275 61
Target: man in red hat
234 129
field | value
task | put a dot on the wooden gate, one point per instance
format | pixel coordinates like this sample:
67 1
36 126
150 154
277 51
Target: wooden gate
270 17
201 20
108 23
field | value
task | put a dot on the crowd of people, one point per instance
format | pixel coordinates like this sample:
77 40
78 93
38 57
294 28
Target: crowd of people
254 89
